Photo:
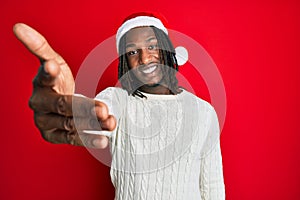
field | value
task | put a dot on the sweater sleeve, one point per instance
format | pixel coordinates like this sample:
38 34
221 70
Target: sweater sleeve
211 170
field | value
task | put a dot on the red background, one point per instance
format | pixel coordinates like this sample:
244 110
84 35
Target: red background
255 45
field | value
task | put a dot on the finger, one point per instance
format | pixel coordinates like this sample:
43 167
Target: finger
94 141
88 140
86 107
101 111
109 124
65 137
43 100
51 121
36 43
47 74
100 142
58 136
47 101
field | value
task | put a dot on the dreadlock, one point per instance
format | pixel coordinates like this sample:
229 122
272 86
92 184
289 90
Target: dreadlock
166 54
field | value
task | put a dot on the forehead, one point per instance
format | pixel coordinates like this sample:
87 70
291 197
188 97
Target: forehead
139 34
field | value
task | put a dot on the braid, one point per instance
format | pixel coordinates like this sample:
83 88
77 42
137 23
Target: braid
166 54
124 74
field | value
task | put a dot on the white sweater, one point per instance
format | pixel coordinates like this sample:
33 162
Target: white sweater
165 147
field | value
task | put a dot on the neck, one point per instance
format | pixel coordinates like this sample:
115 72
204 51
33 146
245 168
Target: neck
155 89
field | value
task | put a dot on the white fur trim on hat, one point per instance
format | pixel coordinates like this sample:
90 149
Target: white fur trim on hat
138 22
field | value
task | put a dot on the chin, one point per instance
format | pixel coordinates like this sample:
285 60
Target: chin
153 83
156 80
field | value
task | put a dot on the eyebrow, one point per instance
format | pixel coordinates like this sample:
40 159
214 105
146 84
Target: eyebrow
151 38
147 41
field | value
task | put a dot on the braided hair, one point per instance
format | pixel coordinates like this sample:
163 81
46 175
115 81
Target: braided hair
166 54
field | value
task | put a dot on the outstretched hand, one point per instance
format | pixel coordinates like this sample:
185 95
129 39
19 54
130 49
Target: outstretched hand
60 116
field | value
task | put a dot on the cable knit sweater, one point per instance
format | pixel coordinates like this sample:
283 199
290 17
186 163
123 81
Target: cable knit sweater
165 147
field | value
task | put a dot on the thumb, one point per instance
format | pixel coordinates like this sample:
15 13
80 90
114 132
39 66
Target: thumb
35 43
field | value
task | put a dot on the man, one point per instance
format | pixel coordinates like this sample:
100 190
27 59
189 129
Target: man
164 140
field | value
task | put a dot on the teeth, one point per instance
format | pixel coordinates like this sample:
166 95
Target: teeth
149 70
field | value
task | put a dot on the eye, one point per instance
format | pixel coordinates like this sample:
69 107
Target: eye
131 53
152 47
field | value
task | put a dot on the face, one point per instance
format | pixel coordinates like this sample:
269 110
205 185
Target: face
143 56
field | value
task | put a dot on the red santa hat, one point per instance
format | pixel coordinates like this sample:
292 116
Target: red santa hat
148 19
139 20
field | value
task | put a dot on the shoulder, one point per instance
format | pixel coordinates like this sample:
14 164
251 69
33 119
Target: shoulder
112 92
200 102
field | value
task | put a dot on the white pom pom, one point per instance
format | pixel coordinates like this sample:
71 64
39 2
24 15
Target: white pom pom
182 55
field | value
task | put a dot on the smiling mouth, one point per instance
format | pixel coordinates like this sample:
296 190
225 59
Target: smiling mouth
149 70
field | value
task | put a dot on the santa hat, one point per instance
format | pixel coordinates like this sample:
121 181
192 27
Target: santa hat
148 19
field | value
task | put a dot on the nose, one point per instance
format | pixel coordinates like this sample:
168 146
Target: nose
145 56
